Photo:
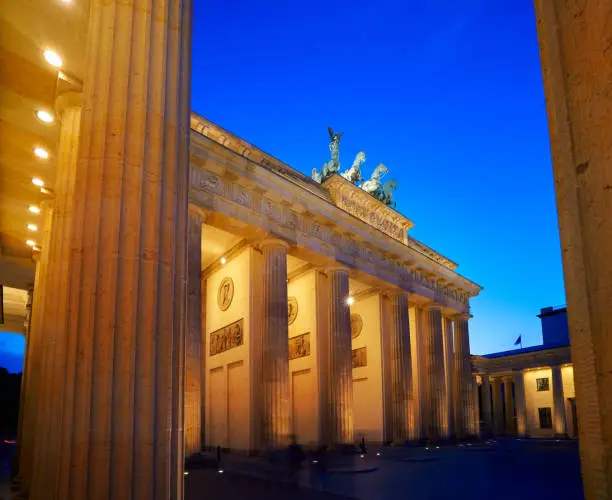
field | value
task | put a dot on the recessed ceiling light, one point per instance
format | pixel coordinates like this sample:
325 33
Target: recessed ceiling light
52 58
223 260
42 153
66 1
350 301
34 209
38 182
32 227
30 243
44 116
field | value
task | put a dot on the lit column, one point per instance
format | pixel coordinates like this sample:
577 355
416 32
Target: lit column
51 391
463 376
193 340
498 406
447 328
118 385
397 366
509 405
434 366
275 345
520 403
340 359
558 415
485 394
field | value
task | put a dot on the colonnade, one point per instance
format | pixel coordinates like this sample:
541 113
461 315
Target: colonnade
504 406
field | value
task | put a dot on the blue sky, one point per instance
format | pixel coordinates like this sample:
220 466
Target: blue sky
447 94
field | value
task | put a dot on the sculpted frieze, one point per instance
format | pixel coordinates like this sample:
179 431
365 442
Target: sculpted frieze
227 338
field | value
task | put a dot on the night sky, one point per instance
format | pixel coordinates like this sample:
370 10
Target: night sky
447 94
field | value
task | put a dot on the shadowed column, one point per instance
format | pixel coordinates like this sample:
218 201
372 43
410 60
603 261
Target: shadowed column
193 337
116 427
509 406
558 414
397 365
498 406
275 345
434 369
485 392
464 386
520 403
449 407
340 359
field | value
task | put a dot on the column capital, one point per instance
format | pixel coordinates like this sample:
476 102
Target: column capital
196 211
432 306
335 267
272 242
69 99
464 316
393 292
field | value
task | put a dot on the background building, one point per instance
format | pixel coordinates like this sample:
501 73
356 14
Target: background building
530 391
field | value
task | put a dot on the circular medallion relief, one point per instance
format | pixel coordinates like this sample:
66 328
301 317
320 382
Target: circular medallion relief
292 309
225 293
356 325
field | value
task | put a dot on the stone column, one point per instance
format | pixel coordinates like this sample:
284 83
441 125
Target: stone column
194 384
340 359
520 403
397 366
485 394
463 376
449 407
576 65
33 380
498 406
275 409
117 388
509 406
434 366
52 311
558 413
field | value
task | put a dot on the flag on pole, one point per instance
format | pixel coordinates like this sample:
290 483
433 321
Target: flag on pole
519 340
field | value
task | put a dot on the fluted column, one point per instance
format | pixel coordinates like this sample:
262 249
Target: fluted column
117 386
449 411
33 380
193 338
485 393
509 406
397 366
434 378
520 403
340 359
275 346
558 414
463 376
498 406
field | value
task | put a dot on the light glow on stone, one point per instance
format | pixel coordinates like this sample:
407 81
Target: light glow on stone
44 116
41 153
52 58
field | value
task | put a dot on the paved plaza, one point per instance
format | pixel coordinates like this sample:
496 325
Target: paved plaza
506 469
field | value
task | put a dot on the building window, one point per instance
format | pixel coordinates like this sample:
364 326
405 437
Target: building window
542 384
545 417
